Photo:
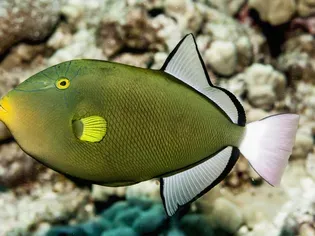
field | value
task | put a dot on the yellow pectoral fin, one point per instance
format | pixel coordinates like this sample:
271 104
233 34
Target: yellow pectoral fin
90 129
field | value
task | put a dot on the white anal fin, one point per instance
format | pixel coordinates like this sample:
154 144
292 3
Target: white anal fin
184 187
186 64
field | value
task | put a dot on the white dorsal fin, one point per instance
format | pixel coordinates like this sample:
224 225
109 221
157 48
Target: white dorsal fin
182 188
186 64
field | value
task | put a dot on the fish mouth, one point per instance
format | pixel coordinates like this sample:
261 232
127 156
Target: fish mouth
2 108
5 110
3 102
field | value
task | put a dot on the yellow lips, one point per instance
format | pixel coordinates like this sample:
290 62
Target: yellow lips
2 109
5 108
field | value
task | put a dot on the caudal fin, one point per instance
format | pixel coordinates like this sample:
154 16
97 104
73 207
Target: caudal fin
268 144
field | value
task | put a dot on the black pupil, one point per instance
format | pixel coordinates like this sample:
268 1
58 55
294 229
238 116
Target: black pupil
63 83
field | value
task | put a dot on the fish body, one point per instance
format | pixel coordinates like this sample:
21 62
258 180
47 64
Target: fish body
115 124
156 124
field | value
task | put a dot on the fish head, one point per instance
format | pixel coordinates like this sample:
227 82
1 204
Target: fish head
39 111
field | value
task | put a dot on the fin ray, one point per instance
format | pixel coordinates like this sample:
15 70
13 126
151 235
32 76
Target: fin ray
268 143
184 187
186 64
90 129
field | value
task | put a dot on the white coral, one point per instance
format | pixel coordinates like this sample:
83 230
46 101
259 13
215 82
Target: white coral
275 12
265 85
306 7
222 56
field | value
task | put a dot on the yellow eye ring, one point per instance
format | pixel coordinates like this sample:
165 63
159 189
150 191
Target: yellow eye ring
63 83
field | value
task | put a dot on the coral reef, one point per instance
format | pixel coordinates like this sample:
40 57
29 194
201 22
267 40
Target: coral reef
268 62
139 217
274 12
35 205
219 52
281 11
218 218
135 26
297 60
16 167
264 85
145 190
237 43
228 7
301 221
305 7
303 143
82 45
31 20
7 82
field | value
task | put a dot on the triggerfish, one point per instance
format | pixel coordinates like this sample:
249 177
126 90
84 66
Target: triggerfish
113 124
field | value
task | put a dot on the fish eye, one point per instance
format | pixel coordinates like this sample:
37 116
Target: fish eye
63 83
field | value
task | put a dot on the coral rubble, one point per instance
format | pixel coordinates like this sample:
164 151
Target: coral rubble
260 50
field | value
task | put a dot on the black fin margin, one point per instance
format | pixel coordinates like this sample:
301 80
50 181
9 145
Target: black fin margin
241 112
233 159
173 52
240 109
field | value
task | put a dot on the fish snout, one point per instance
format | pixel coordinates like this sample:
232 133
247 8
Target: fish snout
5 108
4 104
2 109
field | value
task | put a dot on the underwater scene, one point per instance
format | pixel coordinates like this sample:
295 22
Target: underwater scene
157 117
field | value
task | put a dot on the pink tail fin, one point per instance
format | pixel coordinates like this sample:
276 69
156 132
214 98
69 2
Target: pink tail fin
268 143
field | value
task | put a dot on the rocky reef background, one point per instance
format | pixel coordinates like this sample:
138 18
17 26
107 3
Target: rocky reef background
261 50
